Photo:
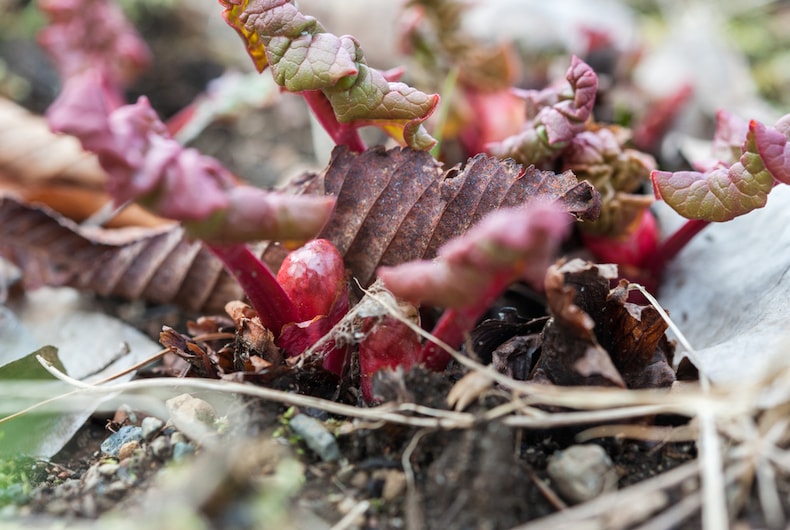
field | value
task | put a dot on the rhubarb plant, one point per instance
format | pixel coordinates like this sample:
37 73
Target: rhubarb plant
554 116
145 164
331 73
309 295
747 161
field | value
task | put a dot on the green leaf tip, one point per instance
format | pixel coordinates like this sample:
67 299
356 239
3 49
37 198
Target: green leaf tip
304 57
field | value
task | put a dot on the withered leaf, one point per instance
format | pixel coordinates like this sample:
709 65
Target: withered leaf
571 354
156 264
202 363
595 336
392 206
400 205
32 154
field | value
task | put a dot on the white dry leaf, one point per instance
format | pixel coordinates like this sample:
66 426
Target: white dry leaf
729 292
91 345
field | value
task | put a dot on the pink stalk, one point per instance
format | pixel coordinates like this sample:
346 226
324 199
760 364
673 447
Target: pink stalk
341 133
274 307
657 261
455 323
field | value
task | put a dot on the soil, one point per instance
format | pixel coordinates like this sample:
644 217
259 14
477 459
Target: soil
488 476
485 477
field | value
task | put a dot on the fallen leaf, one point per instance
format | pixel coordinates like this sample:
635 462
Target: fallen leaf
156 264
571 354
33 155
27 434
61 317
728 291
400 205
597 337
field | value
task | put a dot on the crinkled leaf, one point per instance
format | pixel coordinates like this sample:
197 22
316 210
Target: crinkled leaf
92 34
599 155
233 14
571 353
146 165
507 245
723 193
161 265
728 137
400 205
774 149
597 337
555 115
304 57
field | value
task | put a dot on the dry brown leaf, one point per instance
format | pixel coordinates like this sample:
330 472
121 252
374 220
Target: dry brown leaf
597 337
156 264
393 206
401 205
31 154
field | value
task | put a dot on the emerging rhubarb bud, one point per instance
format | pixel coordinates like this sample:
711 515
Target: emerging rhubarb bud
314 278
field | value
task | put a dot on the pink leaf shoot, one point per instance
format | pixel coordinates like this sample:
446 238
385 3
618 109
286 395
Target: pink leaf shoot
471 271
725 191
554 116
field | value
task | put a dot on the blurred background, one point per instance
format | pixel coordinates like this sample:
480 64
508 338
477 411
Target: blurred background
731 54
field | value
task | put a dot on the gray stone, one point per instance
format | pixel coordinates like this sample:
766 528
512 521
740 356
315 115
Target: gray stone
160 447
108 470
316 436
582 472
182 450
193 416
150 427
126 434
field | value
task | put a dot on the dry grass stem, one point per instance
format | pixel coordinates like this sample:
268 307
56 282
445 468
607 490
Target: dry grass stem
751 417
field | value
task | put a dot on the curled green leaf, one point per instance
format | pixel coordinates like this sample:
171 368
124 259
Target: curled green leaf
304 57
555 116
723 193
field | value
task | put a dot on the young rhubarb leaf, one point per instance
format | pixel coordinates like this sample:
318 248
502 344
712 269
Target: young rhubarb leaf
92 34
471 271
600 156
305 58
388 344
724 192
314 278
554 116
146 165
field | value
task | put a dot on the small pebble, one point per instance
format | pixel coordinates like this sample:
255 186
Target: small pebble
582 472
316 436
125 434
151 426
128 449
160 447
91 479
178 438
108 470
181 450
57 506
191 415
394 485
119 486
